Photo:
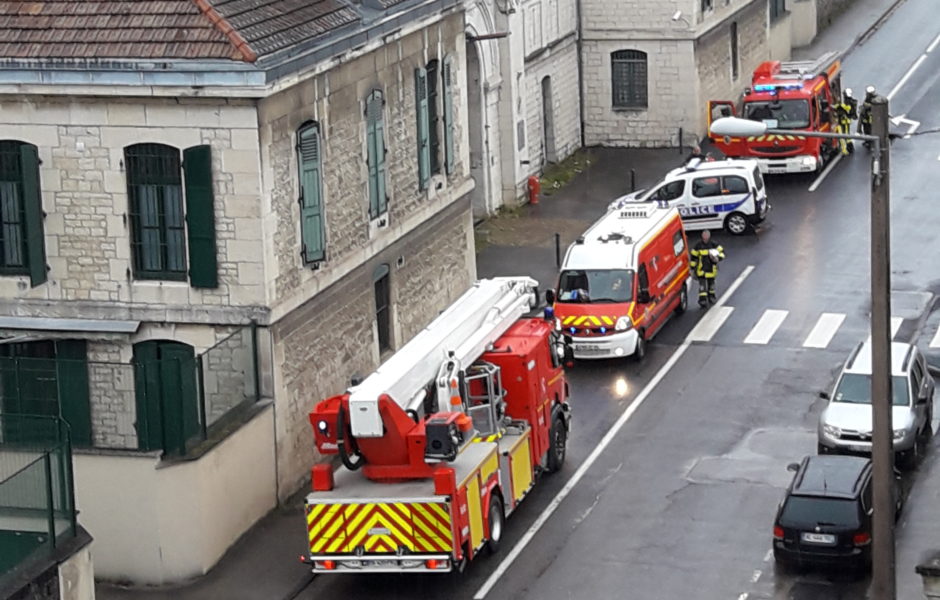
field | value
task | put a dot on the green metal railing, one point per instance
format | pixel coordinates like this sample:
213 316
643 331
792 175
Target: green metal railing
37 491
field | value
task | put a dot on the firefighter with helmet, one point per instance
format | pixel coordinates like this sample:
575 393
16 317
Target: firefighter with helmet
864 115
846 110
706 255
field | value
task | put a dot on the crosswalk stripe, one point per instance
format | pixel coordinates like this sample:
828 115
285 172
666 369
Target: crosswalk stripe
935 342
710 323
766 326
824 330
895 325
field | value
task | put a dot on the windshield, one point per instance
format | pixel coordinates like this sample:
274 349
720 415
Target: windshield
781 114
804 510
856 389
584 286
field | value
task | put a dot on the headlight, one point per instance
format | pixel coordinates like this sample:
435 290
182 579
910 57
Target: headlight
832 431
323 426
623 324
809 161
899 434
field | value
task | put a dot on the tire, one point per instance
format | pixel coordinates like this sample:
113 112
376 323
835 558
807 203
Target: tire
640 352
736 224
558 445
683 300
496 521
821 450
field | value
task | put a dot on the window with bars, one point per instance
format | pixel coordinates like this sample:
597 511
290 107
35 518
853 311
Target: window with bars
161 224
434 134
382 307
22 244
309 162
375 153
778 9
735 63
422 121
629 79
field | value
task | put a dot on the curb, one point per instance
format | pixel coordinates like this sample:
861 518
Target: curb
863 37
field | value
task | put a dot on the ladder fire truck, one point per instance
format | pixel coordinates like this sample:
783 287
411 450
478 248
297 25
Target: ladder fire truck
441 443
799 95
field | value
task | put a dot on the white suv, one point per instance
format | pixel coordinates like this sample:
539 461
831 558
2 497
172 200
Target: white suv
710 195
846 423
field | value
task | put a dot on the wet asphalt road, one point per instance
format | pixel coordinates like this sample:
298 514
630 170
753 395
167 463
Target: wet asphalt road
680 504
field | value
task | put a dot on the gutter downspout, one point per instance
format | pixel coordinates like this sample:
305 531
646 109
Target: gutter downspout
580 69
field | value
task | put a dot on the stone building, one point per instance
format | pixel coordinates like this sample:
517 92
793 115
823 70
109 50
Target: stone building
213 214
522 64
649 68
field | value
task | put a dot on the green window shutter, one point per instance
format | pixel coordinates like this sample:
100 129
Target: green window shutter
375 140
421 106
311 205
149 422
200 217
447 81
72 380
32 212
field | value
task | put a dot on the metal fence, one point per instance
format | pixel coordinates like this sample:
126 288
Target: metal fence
37 494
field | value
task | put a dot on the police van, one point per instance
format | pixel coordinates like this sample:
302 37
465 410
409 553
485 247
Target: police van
727 194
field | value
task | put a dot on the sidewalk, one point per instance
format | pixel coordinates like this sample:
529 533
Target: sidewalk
264 563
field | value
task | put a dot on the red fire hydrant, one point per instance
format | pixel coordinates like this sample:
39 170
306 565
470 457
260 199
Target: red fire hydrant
535 187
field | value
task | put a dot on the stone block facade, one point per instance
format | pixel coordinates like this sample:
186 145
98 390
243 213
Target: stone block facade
559 64
81 144
827 10
322 344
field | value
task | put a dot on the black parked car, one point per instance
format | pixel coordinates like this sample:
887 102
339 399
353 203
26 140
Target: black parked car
825 516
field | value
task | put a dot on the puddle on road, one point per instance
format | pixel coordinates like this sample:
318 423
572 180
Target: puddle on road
761 457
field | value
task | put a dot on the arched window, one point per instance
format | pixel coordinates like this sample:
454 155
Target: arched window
22 244
309 163
629 74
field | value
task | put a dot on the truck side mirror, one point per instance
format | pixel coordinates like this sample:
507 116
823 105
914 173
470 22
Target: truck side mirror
824 395
643 296
793 467
550 296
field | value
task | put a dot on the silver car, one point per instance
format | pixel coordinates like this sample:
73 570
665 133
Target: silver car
846 423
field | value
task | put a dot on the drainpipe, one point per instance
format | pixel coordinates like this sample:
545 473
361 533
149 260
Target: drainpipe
580 47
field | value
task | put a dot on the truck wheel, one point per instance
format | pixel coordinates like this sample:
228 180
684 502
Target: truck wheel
736 224
558 445
683 300
495 520
639 353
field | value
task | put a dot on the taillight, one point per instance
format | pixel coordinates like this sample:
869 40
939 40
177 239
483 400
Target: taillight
435 563
778 532
861 539
329 565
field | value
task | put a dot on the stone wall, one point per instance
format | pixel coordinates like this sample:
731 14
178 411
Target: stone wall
335 100
561 64
827 10
321 345
81 144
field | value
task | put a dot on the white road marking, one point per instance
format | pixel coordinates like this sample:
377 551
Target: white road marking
912 124
769 555
895 325
832 165
825 328
755 576
933 44
709 325
504 565
907 76
766 327
743 596
935 342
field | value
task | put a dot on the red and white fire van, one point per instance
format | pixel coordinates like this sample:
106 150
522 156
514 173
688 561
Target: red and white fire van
622 280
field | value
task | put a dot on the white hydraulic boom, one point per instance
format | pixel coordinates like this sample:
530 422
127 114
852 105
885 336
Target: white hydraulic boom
477 319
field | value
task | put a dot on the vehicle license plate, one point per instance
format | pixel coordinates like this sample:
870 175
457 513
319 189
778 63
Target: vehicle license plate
818 538
859 449
776 170
588 347
379 563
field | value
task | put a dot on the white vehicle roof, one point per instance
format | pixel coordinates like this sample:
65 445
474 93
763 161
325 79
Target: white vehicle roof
612 242
711 167
860 362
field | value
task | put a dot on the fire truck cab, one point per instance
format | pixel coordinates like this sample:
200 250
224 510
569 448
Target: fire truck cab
794 95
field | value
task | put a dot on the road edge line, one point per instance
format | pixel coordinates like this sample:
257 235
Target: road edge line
595 454
822 176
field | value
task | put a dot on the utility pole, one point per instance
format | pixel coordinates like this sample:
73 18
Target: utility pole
882 448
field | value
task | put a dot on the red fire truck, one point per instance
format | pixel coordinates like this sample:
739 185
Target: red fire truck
798 95
443 441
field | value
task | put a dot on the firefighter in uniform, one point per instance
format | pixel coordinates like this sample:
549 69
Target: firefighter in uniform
846 111
864 115
706 255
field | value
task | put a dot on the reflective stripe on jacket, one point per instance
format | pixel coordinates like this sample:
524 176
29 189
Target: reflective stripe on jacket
702 261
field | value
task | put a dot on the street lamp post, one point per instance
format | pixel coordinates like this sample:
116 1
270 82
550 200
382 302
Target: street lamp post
882 451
